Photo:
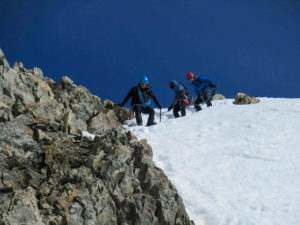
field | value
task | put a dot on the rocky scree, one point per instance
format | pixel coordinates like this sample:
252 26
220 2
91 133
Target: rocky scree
51 174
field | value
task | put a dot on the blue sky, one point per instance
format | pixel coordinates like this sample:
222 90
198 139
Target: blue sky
251 46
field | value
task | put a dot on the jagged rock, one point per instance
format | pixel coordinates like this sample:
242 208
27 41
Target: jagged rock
102 122
1 53
5 114
242 99
218 97
71 125
3 63
50 174
38 72
23 209
122 113
66 81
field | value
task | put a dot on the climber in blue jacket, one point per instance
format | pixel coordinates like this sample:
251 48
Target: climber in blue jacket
204 88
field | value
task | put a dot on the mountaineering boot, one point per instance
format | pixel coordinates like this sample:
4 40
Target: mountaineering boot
151 124
198 108
176 114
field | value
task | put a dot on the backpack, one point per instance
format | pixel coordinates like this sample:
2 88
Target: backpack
188 94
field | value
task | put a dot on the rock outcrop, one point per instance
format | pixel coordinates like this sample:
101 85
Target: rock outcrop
218 97
243 99
51 174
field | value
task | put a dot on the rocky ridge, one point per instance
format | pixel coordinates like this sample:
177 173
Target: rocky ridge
51 174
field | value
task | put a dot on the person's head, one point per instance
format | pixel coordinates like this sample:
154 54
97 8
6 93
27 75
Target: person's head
190 76
172 84
144 81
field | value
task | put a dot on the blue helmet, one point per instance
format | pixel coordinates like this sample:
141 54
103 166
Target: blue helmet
144 80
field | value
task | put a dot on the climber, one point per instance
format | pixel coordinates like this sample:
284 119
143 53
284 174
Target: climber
204 88
140 101
180 101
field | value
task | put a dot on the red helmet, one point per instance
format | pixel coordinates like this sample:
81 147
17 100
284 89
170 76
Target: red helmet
189 75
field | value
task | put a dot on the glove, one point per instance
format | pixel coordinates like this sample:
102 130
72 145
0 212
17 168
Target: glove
170 107
159 106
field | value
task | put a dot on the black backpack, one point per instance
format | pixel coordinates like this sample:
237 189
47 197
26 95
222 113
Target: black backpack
188 94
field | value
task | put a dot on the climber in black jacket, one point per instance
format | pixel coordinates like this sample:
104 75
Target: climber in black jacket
140 101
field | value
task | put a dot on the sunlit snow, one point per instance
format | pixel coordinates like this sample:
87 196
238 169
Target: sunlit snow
232 164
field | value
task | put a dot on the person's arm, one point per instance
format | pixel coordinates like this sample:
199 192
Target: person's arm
154 98
128 96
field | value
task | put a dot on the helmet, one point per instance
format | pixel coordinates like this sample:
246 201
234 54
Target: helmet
189 75
172 84
144 80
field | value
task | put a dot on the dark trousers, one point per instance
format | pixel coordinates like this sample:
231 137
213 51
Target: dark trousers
205 97
139 109
179 106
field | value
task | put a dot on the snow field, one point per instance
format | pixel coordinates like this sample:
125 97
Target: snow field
232 164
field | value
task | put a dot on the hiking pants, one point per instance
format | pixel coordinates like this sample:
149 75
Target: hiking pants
138 109
204 97
179 106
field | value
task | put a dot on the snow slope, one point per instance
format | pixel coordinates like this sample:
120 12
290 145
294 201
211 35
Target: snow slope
232 164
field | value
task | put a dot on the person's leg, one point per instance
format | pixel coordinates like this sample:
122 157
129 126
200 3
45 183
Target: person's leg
151 113
176 110
197 103
207 98
137 111
182 108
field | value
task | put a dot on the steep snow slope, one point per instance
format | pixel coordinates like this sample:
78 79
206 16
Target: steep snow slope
232 164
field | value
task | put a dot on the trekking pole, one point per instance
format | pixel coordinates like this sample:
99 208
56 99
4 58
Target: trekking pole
160 115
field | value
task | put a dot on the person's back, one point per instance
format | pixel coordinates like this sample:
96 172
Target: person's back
202 84
179 91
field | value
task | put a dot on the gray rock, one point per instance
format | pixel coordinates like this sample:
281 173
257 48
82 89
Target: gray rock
5 114
66 81
3 63
218 97
38 72
103 122
242 99
1 53
52 175
23 209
